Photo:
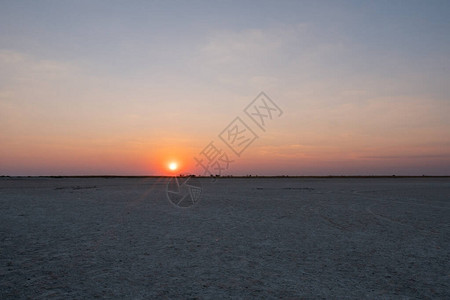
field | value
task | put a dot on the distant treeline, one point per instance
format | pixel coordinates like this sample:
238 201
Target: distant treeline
233 176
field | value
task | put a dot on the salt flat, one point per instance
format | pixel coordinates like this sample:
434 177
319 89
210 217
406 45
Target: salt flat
63 238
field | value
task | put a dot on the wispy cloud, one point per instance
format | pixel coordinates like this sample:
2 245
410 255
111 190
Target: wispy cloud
403 156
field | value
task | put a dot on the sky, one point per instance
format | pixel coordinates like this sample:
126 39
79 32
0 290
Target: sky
127 87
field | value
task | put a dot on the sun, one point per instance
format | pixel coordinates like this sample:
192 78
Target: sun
173 166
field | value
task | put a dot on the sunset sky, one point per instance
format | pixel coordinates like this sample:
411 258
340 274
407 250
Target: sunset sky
127 87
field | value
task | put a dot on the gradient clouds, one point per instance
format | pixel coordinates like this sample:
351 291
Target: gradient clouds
112 88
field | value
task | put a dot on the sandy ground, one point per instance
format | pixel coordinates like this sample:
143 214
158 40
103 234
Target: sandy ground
72 238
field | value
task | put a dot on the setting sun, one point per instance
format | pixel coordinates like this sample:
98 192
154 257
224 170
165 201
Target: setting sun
173 166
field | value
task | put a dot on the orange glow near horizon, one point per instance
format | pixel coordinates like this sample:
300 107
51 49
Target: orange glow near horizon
179 154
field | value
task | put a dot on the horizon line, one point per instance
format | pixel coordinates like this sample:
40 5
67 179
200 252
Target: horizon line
225 176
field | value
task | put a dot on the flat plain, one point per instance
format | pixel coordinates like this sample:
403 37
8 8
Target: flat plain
353 238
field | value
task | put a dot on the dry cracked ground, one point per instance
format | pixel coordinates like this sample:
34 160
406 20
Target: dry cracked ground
82 238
